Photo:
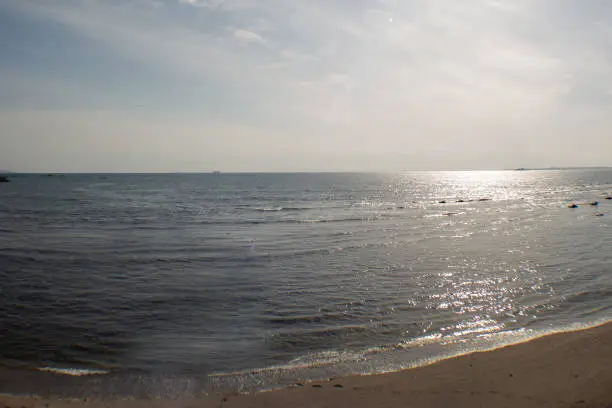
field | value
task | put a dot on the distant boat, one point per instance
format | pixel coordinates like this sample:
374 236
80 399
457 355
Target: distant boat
4 179
216 173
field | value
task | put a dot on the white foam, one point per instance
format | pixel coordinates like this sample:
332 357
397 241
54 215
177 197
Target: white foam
74 372
473 339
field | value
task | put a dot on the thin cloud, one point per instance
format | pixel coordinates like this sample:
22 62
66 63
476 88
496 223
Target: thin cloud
202 3
383 76
247 37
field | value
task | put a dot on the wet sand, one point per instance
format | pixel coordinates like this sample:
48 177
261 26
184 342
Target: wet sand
562 370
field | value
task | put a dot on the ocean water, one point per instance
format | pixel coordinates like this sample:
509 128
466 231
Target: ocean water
166 285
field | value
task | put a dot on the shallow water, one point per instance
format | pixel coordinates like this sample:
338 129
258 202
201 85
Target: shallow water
173 284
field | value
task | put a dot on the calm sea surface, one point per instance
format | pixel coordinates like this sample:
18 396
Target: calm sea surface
171 284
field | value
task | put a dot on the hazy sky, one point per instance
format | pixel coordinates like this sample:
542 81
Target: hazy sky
304 85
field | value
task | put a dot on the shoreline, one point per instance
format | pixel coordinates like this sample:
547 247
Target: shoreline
565 369
61 383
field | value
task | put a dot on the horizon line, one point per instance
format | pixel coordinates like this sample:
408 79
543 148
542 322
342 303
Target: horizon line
218 172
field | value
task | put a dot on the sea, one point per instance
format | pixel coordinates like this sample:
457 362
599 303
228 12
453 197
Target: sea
171 285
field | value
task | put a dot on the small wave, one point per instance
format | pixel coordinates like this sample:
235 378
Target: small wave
588 295
313 360
329 358
296 320
318 338
325 220
73 372
444 214
384 358
294 209
280 209
293 221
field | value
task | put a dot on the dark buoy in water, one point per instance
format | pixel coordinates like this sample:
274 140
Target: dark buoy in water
442 202
594 203
573 205
599 215
461 201
609 198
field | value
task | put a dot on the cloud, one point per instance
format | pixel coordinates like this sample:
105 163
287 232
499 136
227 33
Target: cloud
246 37
429 48
202 3
382 76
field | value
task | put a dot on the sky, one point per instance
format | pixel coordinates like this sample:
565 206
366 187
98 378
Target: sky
304 85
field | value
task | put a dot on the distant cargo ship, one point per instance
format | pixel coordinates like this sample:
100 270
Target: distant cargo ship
216 173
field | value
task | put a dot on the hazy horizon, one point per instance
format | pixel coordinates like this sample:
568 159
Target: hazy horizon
165 86
551 168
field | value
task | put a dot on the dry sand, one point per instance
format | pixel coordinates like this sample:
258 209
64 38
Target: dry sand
561 370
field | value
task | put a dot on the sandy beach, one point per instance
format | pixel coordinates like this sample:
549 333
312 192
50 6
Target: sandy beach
561 370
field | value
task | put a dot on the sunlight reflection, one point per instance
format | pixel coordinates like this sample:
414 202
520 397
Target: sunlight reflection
464 186
485 294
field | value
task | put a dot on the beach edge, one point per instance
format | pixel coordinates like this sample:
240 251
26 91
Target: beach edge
562 369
